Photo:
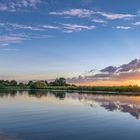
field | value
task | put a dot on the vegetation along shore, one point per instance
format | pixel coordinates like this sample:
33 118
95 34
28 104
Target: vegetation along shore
60 84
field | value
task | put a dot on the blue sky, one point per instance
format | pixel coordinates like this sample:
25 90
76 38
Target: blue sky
43 39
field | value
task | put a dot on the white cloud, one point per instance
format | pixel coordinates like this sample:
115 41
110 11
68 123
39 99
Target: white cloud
75 27
40 36
114 16
15 26
123 27
9 38
27 27
89 13
30 3
136 23
13 6
5 40
49 27
99 21
5 7
74 12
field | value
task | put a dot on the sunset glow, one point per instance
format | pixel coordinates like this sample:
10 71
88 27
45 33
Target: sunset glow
111 83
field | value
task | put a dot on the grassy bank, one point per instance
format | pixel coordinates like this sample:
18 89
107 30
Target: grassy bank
96 88
81 88
60 85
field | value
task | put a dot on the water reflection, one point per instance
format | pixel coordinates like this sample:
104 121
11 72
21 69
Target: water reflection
126 104
6 93
5 136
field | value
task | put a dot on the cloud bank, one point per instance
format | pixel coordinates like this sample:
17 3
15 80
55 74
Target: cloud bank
125 72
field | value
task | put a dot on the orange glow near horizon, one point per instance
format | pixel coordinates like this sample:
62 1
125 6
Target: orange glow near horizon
110 83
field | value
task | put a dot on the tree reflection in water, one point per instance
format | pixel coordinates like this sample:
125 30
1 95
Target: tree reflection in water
128 104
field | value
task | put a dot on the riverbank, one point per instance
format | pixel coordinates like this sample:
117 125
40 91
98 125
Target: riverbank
124 90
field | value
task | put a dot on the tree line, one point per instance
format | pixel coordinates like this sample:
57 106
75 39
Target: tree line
61 84
41 84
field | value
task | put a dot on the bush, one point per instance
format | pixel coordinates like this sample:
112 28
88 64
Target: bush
39 85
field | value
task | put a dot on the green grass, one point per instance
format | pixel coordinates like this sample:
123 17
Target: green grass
96 89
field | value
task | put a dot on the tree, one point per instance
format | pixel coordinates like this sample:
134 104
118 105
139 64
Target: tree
59 82
30 83
46 82
13 83
21 84
38 85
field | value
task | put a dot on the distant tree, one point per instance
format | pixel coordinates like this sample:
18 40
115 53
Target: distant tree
13 83
30 83
73 85
59 82
21 84
38 85
46 82
6 83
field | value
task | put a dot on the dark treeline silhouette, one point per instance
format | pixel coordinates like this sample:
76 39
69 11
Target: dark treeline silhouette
41 84
59 82
5 84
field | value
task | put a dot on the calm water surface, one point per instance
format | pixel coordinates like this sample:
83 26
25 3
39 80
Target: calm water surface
39 115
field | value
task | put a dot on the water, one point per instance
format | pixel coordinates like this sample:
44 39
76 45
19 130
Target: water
40 115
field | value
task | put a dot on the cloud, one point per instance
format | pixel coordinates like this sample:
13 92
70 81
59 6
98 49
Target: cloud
39 36
49 27
130 71
136 23
99 21
114 16
68 27
89 13
75 27
74 12
123 27
11 38
13 6
8 39
15 26
26 27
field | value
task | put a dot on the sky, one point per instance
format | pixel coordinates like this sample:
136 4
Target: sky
45 39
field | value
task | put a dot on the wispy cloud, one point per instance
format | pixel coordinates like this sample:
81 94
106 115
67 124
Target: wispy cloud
90 13
12 6
124 27
96 20
136 23
49 27
15 26
26 27
11 38
75 27
37 27
74 12
8 39
114 16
